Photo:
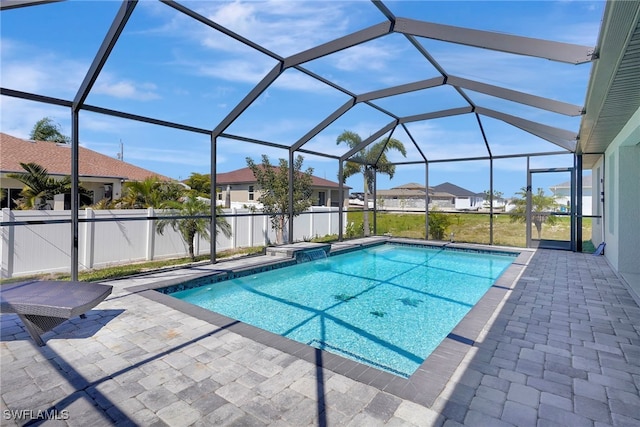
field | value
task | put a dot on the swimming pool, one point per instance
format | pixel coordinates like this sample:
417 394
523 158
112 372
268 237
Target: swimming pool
387 306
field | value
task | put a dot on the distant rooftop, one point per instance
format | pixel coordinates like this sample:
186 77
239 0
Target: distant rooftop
56 158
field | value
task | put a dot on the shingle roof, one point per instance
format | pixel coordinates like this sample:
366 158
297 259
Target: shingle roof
410 186
244 176
56 158
447 187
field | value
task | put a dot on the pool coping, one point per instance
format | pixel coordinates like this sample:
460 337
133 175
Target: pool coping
431 377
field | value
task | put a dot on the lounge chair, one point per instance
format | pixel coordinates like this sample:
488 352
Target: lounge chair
43 305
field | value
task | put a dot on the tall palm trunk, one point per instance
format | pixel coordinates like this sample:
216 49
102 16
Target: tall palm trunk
280 230
191 235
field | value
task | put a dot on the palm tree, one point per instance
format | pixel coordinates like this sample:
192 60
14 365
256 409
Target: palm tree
46 130
189 228
541 208
39 187
141 194
149 193
370 160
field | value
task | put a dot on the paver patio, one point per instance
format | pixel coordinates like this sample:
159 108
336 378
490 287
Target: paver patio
562 348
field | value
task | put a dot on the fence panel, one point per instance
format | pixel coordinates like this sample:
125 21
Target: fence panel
29 249
118 241
40 248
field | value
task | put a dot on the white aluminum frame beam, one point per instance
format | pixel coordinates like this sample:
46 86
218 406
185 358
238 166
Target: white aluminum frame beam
398 90
437 114
560 137
539 48
516 96
339 44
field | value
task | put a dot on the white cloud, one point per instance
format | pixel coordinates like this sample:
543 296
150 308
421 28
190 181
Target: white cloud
236 70
284 27
29 69
139 155
125 89
19 116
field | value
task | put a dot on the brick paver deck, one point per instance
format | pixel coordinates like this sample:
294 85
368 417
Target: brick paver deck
562 349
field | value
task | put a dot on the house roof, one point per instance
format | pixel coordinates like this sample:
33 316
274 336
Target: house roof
586 183
410 186
245 176
447 187
441 195
56 158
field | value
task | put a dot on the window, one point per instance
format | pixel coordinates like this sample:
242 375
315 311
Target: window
11 194
251 192
322 198
219 192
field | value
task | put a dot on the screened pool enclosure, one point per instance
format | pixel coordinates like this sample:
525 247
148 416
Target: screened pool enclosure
503 95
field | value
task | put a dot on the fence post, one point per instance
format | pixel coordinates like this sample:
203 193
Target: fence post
265 228
234 228
251 219
344 221
8 244
151 234
311 230
89 234
330 222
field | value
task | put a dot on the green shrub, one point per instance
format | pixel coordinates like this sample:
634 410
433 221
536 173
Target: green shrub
438 223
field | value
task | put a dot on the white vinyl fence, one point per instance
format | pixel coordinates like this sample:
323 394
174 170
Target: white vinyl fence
43 248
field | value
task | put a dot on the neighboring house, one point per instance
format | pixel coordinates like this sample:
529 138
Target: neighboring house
407 196
458 198
100 174
242 187
562 193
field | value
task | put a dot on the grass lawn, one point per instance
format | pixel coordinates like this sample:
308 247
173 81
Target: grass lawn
469 228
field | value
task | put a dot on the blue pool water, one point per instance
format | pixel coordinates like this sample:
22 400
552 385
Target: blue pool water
387 306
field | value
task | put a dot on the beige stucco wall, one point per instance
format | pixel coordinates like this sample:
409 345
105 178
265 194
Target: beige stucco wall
92 184
240 194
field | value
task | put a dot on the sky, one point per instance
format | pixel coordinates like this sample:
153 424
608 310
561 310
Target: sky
170 67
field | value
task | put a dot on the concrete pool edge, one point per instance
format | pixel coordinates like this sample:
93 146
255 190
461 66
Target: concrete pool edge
425 384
